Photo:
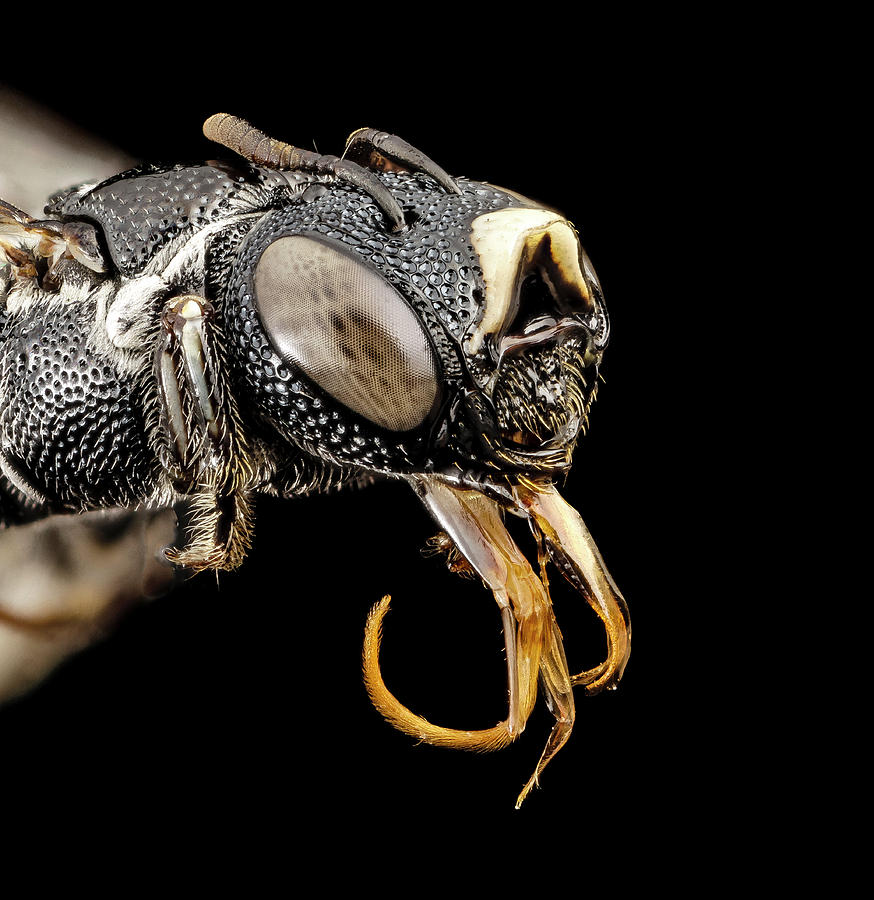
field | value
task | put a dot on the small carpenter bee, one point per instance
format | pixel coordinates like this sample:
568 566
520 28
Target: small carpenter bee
286 322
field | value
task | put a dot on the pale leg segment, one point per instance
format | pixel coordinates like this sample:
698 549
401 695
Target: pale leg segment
204 451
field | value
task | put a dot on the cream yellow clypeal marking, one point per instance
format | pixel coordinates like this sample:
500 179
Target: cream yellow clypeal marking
506 242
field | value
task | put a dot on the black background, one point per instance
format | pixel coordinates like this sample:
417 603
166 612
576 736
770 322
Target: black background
213 705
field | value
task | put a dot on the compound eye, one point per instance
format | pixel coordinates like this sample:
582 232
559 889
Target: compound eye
348 330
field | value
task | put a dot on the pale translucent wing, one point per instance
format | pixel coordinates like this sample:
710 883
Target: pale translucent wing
63 580
40 153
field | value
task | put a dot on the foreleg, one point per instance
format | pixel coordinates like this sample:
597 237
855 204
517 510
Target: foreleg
202 442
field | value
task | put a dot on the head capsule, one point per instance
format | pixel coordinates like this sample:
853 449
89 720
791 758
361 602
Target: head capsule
461 340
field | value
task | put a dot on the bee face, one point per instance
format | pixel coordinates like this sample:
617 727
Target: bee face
280 326
470 338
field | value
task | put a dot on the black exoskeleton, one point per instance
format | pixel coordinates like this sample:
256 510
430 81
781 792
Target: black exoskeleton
287 322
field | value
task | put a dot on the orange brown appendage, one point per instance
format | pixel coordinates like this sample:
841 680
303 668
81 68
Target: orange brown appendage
565 531
404 719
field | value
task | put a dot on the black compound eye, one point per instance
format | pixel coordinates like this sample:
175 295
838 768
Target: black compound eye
348 330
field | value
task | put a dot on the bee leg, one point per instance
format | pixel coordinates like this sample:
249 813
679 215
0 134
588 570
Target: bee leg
219 528
201 439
